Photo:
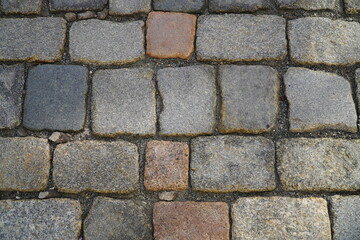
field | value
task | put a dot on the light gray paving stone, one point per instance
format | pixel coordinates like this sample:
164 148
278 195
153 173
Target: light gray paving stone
238 5
179 5
40 219
280 218
32 39
124 102
240 37
322 164
90 42
352 6
76 5
346 217
117 219
125 7
189 97
11 91
316 40
25 164
308 5
23 6
249 98
319 100
232 163
55 98
357 80
106 167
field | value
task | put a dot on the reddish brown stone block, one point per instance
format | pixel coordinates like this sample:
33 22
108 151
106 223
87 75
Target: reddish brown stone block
191 220
170 35
167 166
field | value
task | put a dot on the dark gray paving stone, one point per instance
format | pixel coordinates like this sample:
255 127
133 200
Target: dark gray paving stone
106 167
76 5
179 5
249 98
352 6
189 97
55 98
11 90
124 102
117 219
40 219
308 5
238 5
23 6
319 100
126 7
32 39
240 37
232 163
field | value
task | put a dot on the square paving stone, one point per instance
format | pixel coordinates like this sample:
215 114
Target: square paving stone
11 92
117 219
319 100
238 5
352 6
167 166
191 220
40 219
126 7
249 98
55 98
346 217
25 164
240 37
316 40
23 6
170 35
322 164
76 5
179 5
308 5
124 102
104 42
232 163
105 167
189 97
280 218
32 39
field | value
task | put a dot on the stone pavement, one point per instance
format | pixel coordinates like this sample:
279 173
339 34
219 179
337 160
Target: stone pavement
180 119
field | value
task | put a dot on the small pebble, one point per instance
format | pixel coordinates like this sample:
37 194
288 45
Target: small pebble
22 132
86 15
70 17
58 137
167 196
103 14
17 197
43 195
49 194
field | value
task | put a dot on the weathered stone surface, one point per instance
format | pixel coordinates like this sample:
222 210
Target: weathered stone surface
280 218
319 100
40 219
167 166
109 167
124 102
191 220
167 196
70 16
103 14
32 39
238 5
125 7
316 40
86 15
240 38
308 5
189 96
25 164
76 5
249 98
319 164
170 35
11 90
23 6
55 98
179 6
90 42
117 219
232 163
352 6
357 80
346 217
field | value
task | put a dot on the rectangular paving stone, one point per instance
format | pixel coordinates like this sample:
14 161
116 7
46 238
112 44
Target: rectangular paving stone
240 37
125 7
346 217
249 98
11 91
117 219
105 167
319 100
40 219
308 5
90 42
316 40
194 6
238 5
189 97
76 5
124 102
55 98
25 164
232 163
22 7
32 39
280 218
352 6
357 80
319 164
191 220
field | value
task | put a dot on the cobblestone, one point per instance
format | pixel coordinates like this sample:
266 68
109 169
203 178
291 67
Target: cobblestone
22 7
238 5
308 5
76 5
124 7
179 6
352 6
